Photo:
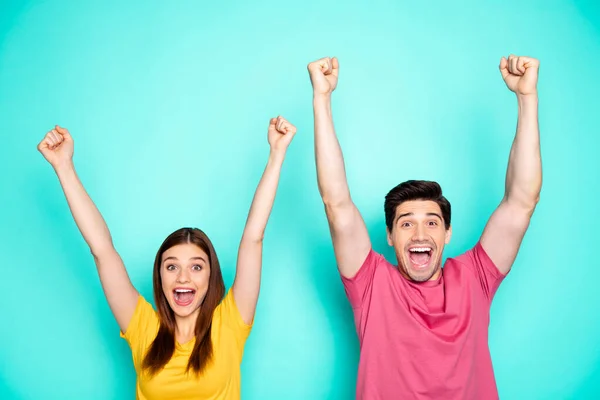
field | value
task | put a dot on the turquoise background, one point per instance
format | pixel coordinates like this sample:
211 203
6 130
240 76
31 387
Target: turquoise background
169 105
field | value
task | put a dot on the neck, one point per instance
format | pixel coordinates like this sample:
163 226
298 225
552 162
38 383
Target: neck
436 275
185 329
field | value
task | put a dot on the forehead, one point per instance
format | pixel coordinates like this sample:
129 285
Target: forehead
184 252
418 208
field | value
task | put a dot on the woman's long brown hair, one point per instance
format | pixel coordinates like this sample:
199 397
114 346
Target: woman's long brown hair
163 346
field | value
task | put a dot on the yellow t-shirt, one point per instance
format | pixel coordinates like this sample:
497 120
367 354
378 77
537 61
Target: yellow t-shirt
221 378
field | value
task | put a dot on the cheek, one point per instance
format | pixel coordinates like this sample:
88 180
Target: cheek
400 237
441 239
167 280
201 279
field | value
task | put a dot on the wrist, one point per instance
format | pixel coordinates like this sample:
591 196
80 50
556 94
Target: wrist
527 98
277 155
527 103
321 97
322 103
64 167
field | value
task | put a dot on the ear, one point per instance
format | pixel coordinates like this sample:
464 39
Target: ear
389 237
448 234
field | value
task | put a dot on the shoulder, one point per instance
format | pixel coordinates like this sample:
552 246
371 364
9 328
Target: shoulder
143 327
227 313
475 258
374 264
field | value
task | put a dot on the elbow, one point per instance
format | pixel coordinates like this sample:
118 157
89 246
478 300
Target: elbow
253 238
526 201
333 202
531 204
334 195
102 252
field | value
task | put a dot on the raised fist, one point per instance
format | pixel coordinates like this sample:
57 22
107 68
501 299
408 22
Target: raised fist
520 74
324 75
280 134
57 147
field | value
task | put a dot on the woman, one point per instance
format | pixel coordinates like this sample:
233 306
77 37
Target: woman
192 346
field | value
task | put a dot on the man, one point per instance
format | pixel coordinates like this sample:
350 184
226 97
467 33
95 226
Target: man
423 330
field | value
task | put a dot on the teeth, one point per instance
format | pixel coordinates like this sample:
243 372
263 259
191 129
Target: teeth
420 249
183 290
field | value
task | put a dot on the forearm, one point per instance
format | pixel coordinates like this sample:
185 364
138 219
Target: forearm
331 174
86 215
262 204
524 173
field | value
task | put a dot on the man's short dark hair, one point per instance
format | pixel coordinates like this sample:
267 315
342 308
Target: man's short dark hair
415 190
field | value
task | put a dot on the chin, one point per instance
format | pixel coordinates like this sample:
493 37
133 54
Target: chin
422 276
183 312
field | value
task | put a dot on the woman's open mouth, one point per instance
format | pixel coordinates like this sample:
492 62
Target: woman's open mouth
183 296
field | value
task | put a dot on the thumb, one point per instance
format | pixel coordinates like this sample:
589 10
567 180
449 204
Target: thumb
504 68
322 66
63 131
291 133
44 146
326 65
313 67
335 64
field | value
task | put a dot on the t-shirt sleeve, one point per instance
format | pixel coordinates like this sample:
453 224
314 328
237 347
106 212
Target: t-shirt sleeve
142 329
359 287
231 317
488 275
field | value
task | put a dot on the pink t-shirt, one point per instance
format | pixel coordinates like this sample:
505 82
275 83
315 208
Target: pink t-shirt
425 340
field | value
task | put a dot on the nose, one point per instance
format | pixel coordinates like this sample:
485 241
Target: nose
419 233
182 276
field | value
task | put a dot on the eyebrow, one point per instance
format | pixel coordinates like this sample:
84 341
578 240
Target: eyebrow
175 258
411 214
